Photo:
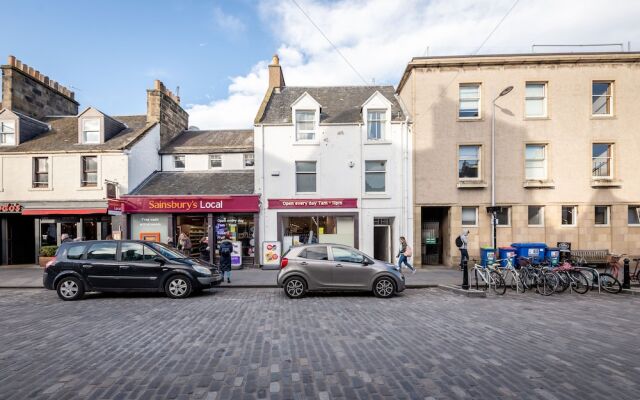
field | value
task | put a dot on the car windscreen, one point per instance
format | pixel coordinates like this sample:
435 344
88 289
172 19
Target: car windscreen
167 252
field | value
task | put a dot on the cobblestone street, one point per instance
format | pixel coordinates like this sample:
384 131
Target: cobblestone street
256 343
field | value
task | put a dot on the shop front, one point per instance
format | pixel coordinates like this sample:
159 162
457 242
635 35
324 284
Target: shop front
205 220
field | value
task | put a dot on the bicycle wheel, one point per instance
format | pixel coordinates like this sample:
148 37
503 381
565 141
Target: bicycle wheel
610 284
579 282
547 283
497 283
564 281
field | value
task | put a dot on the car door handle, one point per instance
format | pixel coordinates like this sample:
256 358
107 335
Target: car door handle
303 263
339 265
87 266
124 267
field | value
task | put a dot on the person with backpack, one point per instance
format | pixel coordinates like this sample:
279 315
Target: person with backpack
226 249
462 242
404 254
184 244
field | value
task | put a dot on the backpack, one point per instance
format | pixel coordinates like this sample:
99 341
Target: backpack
226 248
459 242
408 252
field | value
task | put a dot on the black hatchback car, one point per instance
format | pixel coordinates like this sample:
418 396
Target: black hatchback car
125 265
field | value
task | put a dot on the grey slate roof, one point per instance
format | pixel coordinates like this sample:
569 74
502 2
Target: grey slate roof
63 136
340 104
196 183
204 142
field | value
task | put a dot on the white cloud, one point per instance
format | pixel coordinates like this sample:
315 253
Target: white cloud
380 36
226 21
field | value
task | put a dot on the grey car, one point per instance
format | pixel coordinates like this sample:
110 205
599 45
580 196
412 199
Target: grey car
335 267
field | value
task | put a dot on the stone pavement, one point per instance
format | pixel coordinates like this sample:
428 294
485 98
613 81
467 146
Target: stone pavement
257 344
31 277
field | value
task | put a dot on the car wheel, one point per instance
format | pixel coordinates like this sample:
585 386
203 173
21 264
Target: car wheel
70 288
295 287
178 287
384 288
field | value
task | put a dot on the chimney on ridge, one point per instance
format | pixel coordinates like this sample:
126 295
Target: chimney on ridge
164 107
276 79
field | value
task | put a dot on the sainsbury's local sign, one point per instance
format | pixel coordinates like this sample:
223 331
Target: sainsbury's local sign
190 204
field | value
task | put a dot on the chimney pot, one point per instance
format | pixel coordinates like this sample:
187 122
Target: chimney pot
11 60
275 60
46 80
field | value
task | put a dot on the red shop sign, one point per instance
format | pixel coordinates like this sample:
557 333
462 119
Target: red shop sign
190 204
313 203
10 208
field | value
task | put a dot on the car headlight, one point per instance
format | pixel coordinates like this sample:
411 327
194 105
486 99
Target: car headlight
202 270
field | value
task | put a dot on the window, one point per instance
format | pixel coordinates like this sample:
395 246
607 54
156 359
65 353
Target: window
75 252
7 133
535 102
469 162
374 176
469 96
376 120
602 160
305 125
469 216
315 253
178 162
40 172
569 215
215 161
602 215
345 255
136 252
535 162
634 215
305 176
91 131
249 161
102 251
503 216
89 171
601 100
536 215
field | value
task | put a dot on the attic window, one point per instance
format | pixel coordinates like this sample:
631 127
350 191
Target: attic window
7 133
305 125
91 131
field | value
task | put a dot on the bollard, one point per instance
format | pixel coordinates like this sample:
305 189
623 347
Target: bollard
465 275
626 279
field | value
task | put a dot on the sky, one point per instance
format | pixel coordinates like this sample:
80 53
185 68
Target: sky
217 52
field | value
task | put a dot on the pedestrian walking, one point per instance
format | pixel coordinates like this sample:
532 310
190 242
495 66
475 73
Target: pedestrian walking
64 238
184 244
462 242
404 254
226 248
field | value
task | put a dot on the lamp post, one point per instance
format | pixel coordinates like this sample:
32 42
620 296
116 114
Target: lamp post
504 92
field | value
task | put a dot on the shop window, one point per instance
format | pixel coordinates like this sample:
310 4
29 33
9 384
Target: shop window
345 255
536 162
536 215
315 253
309 229
102 251
240 228
569 215
634 215
91 131
375 176
305 176
469 216
602 215
248 160
136 252
89 171
601 98
469 97
215 161
48 233
305 125
602 160
376 122
40 172
178 162
7 133
469 162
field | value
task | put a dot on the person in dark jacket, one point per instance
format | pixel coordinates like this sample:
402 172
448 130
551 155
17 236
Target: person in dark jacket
226 248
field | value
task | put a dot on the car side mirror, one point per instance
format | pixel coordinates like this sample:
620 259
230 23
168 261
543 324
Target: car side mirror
159 260
366 261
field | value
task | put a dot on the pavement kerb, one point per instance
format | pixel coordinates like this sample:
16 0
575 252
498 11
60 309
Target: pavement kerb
463 292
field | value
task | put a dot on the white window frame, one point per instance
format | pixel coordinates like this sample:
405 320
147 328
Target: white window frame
85 130
462 220
176 158
382 121
609 96
212 157
315 172
541 224
478 99
85 183
34 182
4 135
637 207
607 214
575 216
544 161
479 177
246 157
610 161
383 172
545 112
306 131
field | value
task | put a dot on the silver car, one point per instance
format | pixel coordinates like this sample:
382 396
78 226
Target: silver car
333 267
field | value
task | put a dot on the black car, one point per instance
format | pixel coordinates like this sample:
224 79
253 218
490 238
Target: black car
125 265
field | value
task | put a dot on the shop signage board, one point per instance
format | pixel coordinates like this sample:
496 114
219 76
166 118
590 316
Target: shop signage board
11 208
312 203
236 256
271 253
190 204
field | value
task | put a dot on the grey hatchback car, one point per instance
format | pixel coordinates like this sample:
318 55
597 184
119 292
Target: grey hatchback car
335 267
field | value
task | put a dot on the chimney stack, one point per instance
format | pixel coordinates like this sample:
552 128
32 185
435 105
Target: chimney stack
28 91
276 79
164 107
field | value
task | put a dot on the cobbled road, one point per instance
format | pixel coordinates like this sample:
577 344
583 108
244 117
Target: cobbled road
256 343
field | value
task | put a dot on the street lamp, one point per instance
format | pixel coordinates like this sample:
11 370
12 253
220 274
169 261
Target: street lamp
504 92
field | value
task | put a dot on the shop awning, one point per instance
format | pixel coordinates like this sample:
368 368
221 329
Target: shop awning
65 211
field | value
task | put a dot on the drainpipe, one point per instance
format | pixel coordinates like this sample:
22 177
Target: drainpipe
360 181
263 214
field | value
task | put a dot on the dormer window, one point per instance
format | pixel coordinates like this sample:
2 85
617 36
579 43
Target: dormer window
91 131
7 133
305 125
376 121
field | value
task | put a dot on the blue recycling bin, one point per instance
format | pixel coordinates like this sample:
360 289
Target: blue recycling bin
553 255
505 254
487 256
535 251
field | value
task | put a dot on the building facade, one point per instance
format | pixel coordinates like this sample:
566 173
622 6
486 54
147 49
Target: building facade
565 151
333 166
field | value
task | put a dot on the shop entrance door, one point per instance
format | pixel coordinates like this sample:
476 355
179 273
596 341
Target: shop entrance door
21 240
382 239
435 232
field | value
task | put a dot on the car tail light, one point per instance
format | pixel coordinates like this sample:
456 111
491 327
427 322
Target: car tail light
284 262
50 263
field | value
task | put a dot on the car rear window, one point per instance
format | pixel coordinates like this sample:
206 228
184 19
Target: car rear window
315 253
75 252
102 251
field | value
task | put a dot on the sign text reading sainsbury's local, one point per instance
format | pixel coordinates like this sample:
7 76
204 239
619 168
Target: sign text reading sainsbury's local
313 203
184 204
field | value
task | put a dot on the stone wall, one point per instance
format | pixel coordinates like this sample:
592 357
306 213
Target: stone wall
164 107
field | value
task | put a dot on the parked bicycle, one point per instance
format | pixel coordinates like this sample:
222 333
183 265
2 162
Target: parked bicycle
491 278
537 276
570 277
603 280
510 275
